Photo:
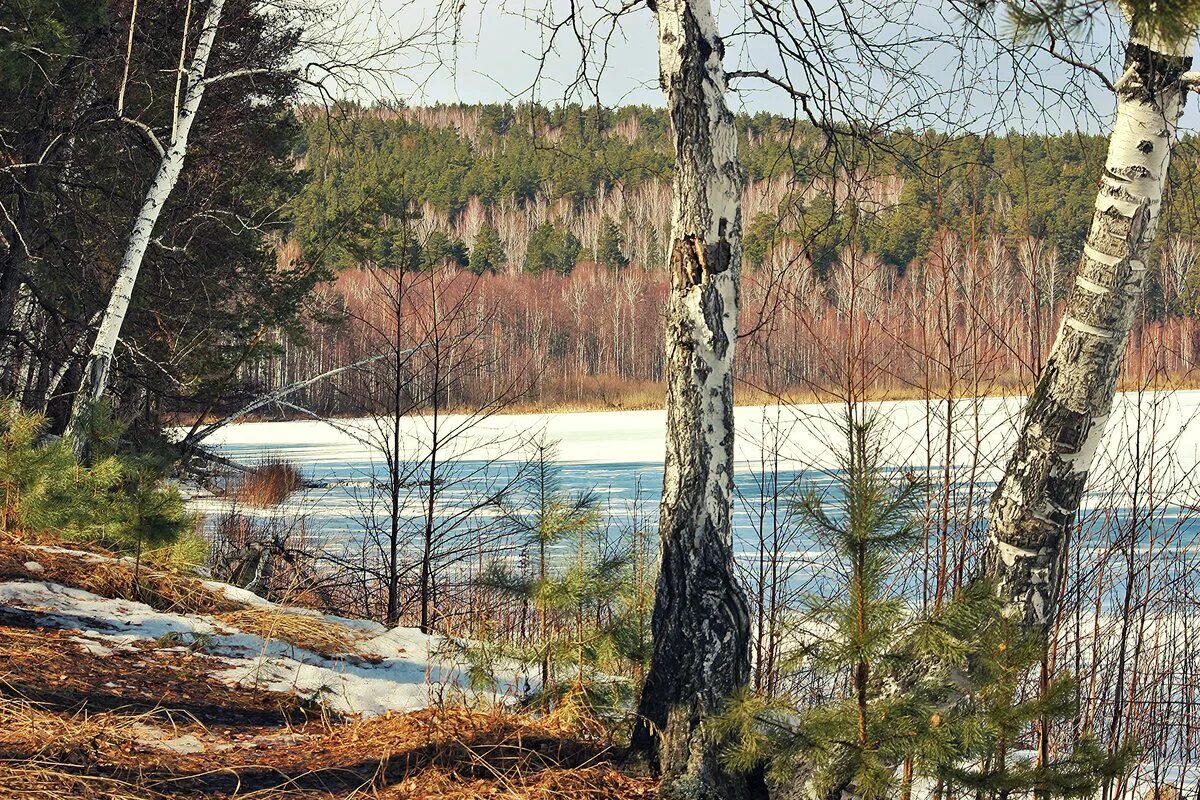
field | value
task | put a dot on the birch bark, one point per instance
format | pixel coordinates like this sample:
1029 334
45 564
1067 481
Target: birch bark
701 618
1036 502
99 363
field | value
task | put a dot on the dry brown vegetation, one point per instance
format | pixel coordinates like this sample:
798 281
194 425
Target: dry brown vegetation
311 633
113 577
268 483
152 724
152 721
592 340
109 575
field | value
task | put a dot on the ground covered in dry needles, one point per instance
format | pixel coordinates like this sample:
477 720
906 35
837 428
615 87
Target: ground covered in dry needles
150 722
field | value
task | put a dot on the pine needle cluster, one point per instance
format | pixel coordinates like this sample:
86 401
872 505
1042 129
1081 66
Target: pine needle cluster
587 634
1167 20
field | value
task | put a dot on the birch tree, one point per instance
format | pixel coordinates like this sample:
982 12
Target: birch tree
251 48
1036 501
701 619
99 362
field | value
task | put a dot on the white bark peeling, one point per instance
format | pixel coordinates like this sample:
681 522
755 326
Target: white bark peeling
96 374
1090 286
1009 553
1082 459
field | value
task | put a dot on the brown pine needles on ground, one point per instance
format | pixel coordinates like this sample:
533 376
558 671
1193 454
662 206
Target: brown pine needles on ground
452 753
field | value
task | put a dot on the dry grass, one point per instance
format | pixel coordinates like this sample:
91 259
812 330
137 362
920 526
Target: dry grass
77 739
49 668
50 780
585 783
469 755
113 577
269 483
613 394
311 633
109 575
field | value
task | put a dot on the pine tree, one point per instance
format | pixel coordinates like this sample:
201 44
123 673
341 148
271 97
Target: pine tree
958 716
118 501
654 252
488 253
586 631
439 249
551 249
1004 728
610 245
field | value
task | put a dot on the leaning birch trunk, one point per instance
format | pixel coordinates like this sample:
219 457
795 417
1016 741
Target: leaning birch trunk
99 363
1036 502
701 621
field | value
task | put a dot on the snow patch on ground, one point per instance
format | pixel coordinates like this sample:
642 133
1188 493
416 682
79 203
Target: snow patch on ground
237 594
407 669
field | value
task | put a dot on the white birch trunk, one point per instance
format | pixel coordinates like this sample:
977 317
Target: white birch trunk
1036 502
99 363
701 620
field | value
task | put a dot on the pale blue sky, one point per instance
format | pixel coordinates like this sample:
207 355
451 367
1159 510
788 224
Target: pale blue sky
963 81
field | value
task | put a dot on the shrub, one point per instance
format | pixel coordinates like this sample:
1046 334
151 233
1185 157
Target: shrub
587 635
269 483
118 501
188 553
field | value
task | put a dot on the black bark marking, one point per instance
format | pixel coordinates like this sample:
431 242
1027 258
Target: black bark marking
1154 74
719 255
714 317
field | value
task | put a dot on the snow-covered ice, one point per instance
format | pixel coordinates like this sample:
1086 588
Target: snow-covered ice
620 453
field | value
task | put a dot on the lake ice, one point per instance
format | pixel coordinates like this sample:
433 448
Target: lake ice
1150 450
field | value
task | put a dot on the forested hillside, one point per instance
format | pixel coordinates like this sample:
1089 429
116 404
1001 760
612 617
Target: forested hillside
955 253
601 177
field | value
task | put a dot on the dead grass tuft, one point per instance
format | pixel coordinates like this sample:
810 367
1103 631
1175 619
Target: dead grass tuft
269 483
109 575
586 783
311 633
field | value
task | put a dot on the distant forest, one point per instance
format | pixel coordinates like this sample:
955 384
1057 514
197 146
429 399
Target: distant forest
592 182
557 220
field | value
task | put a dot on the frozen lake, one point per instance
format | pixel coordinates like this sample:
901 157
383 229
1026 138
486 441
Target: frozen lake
1148 457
